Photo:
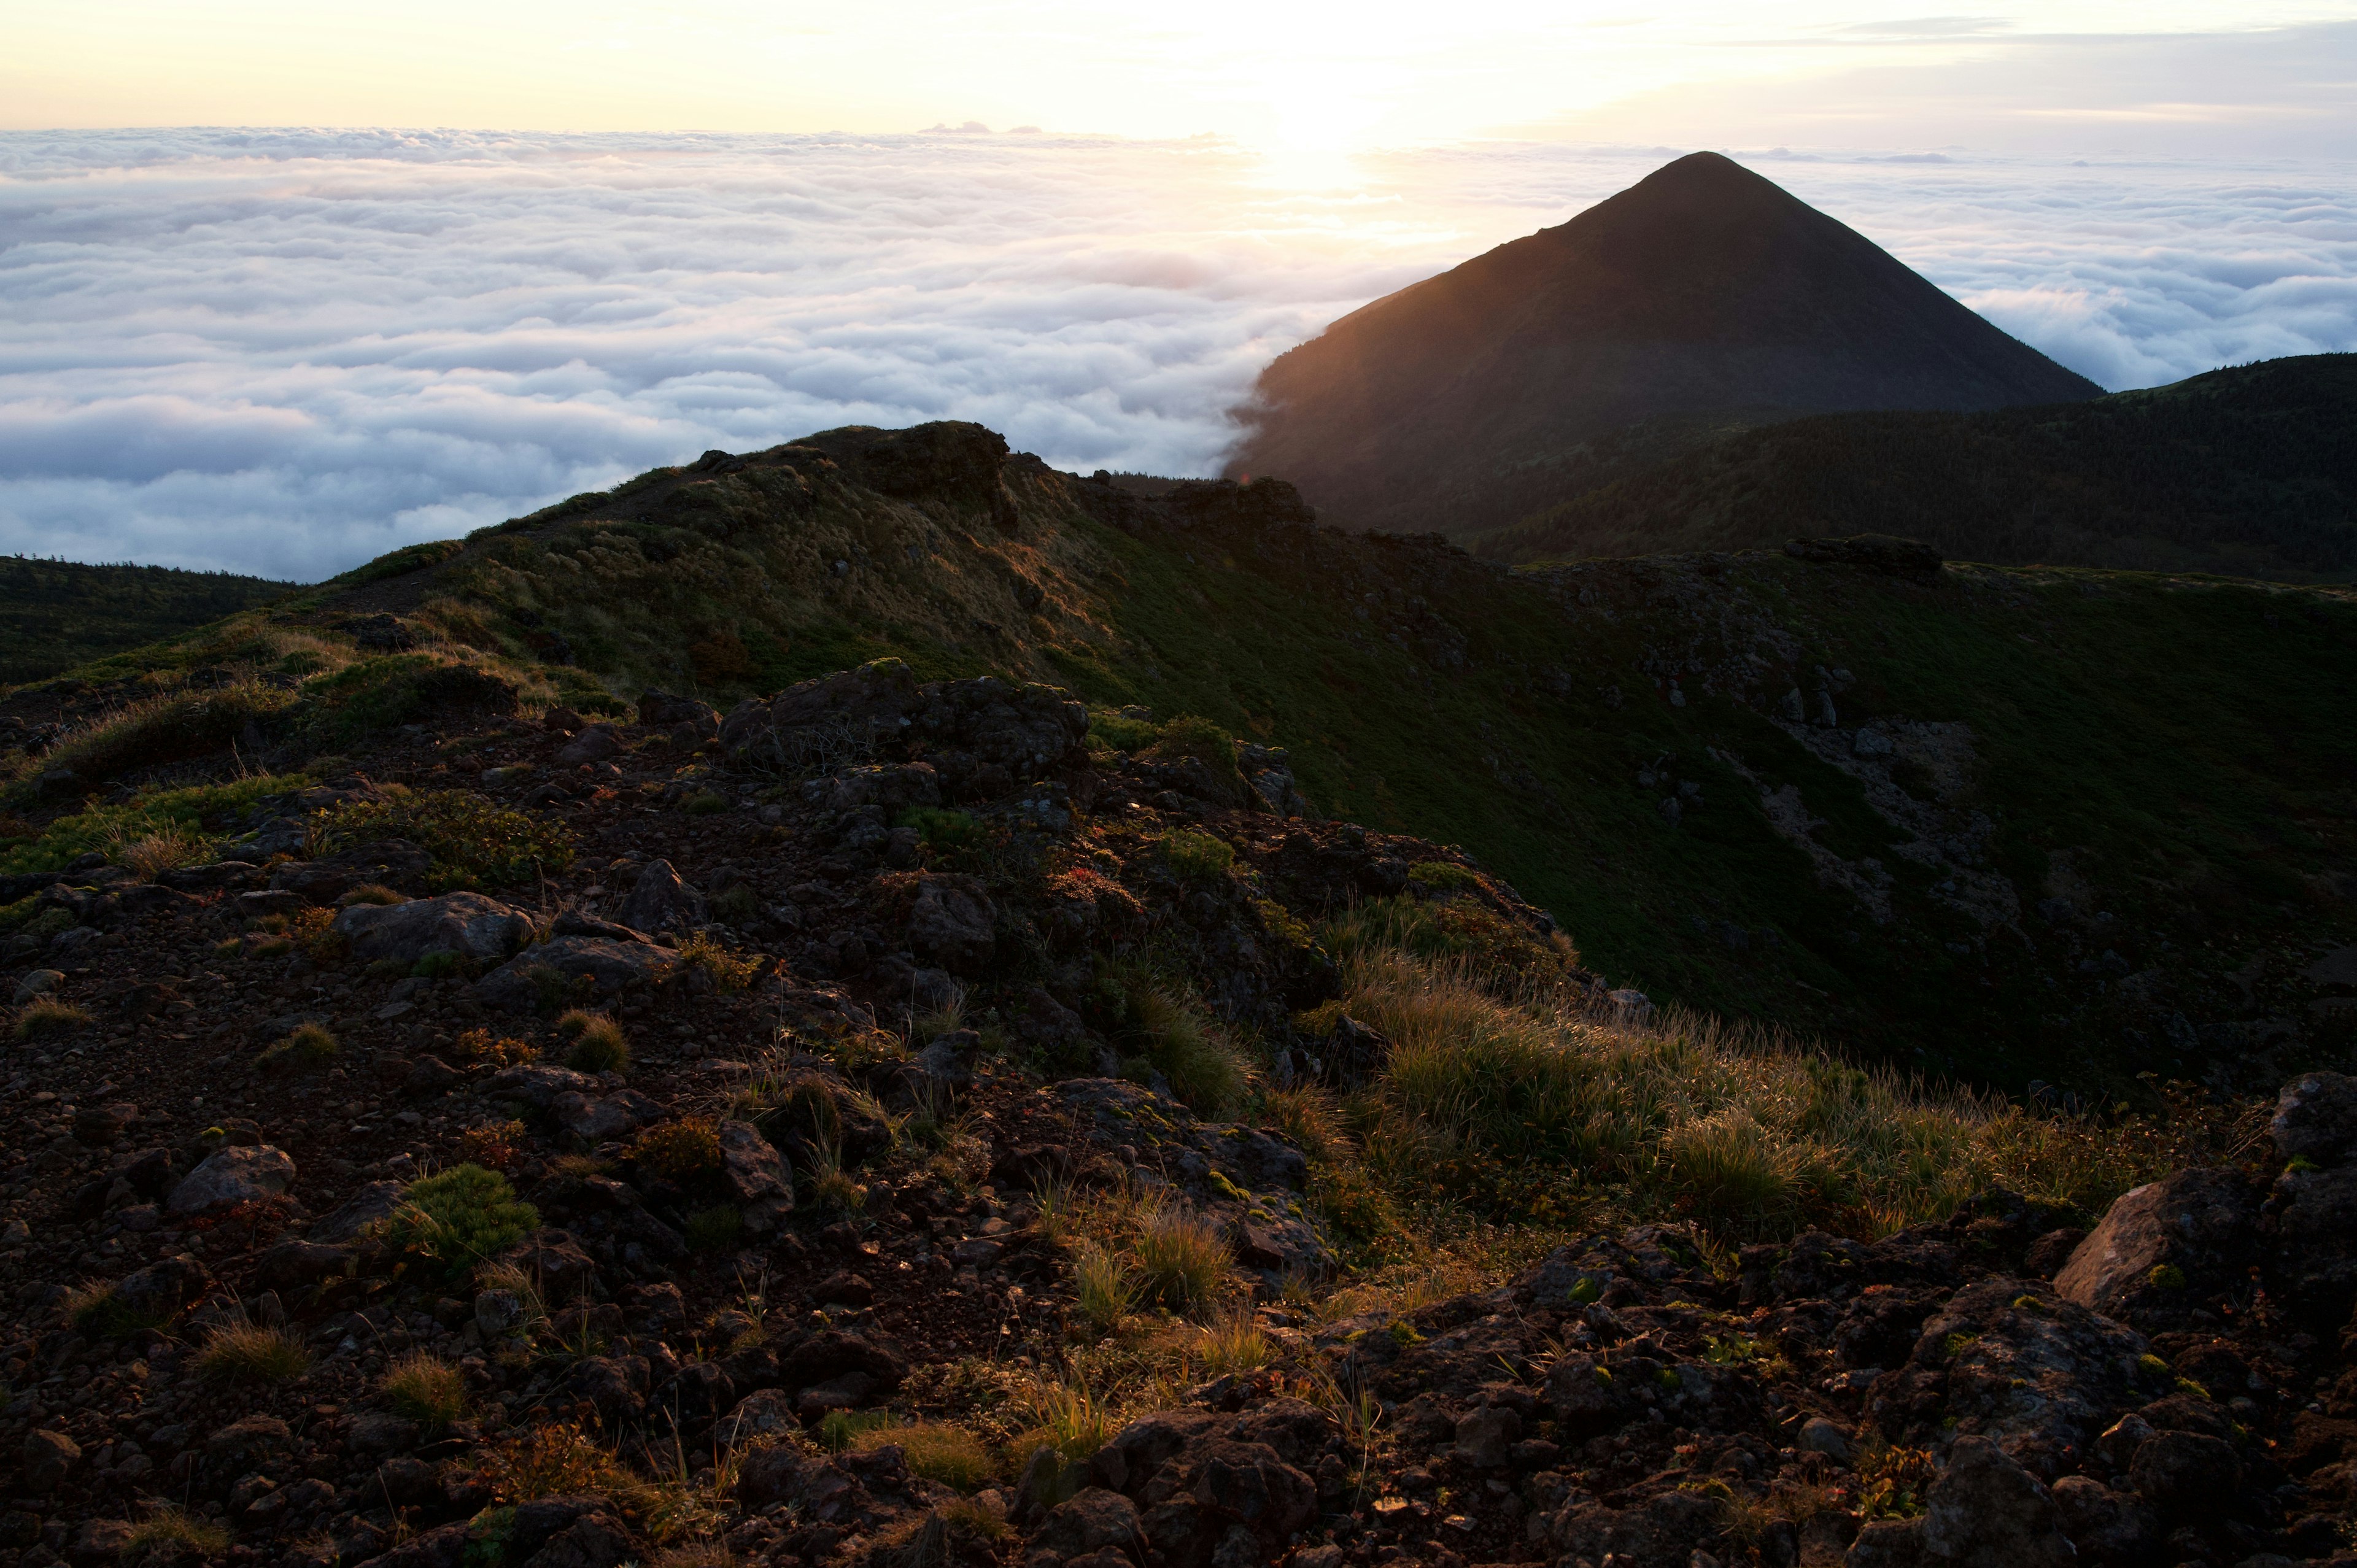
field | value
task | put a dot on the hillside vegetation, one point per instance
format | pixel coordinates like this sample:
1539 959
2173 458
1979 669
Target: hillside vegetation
1991 822
55 615
2250 471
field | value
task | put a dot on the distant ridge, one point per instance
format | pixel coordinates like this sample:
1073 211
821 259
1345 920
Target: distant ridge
2249 471
1702 297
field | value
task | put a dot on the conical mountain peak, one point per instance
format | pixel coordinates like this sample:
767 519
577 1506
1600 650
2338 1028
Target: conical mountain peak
1702 295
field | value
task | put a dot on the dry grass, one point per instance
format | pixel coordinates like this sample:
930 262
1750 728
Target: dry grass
599 1043
1104 1285
253 1353
1750 1135
1069 1417
1180 1259
310 1045
149 855
425 1389
1232 1343
47 1015
169 1534
938 1451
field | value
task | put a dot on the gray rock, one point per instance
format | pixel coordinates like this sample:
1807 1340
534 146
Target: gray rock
2105 1525
944 1066
157 1293
2198 1228
49 1459
467 924
38 983
538 1085
610 968
294 1265
753 1169
498 1312
2313 1262
233 1175
396 864
2316 1118
951 923
660 899
1819 1435
1090 1521
657 709
1485 1437
596 742
357 1213
1887 1543
2181 1475
1986 1511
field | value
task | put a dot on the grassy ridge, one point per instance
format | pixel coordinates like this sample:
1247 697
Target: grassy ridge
55 615
2251 472
2162 751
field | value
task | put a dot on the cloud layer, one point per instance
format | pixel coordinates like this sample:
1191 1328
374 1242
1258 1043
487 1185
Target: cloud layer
285 352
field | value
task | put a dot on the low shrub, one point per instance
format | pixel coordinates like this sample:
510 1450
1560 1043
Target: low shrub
1197 856
459 1218
371 893
253 1353
472 842
685 1150
730 972
495 1145
599 1043
944 831
736 904
552 1459
95 1309
47 1015
309 1045
168 728
716 1230
425 1389
479 1047
705 803
1442 877
1186 737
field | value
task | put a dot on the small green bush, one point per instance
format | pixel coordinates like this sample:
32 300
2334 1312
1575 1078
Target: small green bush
472 843
1205 742
1117 733
943 831
705 803
736 904
459 1218
1197 857
310 1045
599 1043
1442 877
716 1230
686 1150
437 966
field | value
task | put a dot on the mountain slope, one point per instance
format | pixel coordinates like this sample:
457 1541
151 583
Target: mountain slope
1996 822
57 614
2250 471
1702 291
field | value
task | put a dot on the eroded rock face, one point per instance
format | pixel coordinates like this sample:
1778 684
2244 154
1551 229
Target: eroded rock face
569 965
982 736
950 923
1986 1511
2316 1119
466 924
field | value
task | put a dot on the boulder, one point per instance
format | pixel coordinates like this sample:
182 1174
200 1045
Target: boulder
293 1264
660 900
157 1293
573 965
2165 1248
1986 1511
2005 1360
657 709
396 864
467 924
2313 1262
372 1203
48 1458
1486 1436
1090 1521
596 742
2183 1474
832 1353
951 923
233 1175
764 1412
752 1169
2316 1119
2105 1525
540 1086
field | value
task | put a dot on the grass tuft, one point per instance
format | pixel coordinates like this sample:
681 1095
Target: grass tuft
253 1353
425 1389
599 1043
309 1045
937 1451
47 1015
170 1533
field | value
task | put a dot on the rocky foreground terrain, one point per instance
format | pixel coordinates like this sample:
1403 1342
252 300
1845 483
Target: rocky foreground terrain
716 1190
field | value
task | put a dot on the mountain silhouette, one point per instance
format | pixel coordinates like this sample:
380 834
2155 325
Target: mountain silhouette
1702 297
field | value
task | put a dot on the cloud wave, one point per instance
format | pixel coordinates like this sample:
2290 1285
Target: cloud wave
287 351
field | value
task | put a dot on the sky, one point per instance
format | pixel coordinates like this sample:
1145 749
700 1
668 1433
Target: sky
245 324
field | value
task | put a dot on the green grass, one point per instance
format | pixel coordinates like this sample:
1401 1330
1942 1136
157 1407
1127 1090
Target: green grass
55 615
203 812
459 1218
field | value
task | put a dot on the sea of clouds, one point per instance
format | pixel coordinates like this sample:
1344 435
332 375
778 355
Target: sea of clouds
284 352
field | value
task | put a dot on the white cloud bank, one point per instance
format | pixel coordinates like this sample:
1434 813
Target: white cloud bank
285 352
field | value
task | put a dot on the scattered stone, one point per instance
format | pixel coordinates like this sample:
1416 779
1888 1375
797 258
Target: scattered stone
465 924
232 1176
